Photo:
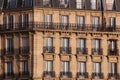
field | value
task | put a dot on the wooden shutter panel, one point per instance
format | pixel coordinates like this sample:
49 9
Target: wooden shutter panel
117 3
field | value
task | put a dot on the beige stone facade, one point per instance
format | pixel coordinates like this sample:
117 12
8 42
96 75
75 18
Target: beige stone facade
36 47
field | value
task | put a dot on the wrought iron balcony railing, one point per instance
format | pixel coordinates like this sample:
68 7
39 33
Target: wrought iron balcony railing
56 26
9 51
98 75
49 74
9 75
66 74
24 74
113 52
113 75
83 51
82 74
24 50
48 49
65 50
97 51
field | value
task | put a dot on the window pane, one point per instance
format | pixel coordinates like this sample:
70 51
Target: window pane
49 66
65 66
65 42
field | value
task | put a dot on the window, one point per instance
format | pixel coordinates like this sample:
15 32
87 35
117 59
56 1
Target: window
9 46
64 21
27 3
81 45
65 66
95 22
80 4
113 68
110 5
10 22
47 3
97 67
113 45
95 4
112 22
9 68
64 3
96 45
65 45
48 20
49 66
25 67
24 20
12 3
49 44
25 45
80 21
82 67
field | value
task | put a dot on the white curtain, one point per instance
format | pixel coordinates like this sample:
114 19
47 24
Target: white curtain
65 42
49 42
65 66
81 43
97 67
80 20
96 43
82 67
48 18
64 20
95 21
49 66
80 4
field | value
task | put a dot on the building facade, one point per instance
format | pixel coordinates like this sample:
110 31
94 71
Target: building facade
60 40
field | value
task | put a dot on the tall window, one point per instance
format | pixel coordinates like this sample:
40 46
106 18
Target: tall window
25 45
12 3
48 20
110 5
27 3
95 4
9 46
49 66
81 45
96 44
82 67
10 22
47 3
113 45
113 68
80 4
64 21
112 22
80 21
64 3
25 69
49 44
9 68
65 66
24 20
95 22
65 45
97 67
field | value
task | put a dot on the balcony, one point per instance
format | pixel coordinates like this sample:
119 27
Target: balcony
98 51
65 50
82 51
65 74
9 51
48 49
113 76
24 50
113 52
97 75
9 75
49 74
31 26
82 75
24 74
